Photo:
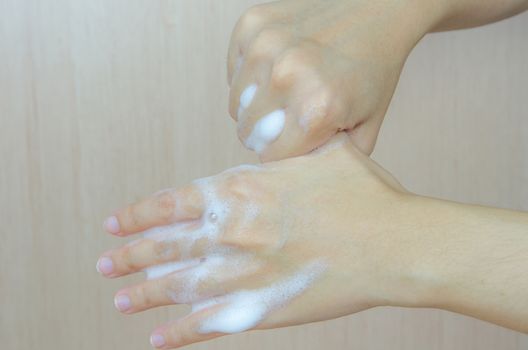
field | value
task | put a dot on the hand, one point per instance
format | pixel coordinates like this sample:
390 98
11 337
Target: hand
301 71
285 243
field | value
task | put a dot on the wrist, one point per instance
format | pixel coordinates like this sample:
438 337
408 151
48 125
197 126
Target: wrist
419 17
444 249
401 24
411 278
419 253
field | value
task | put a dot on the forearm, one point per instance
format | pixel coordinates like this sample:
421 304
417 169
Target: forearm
458 14
473 260
413 19
405 22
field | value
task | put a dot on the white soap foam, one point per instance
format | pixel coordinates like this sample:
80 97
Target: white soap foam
245 99
186 234
203 304
243 313
252 211
168 232
214 205
247 95
240 310
245 309
187 292
159 271
266 130
182 236
226 265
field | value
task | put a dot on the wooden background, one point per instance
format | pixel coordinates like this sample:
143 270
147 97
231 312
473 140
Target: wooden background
104 101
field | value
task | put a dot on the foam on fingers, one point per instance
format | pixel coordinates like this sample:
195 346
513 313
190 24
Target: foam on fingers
245 309
266 131
159 271
246 97
205 266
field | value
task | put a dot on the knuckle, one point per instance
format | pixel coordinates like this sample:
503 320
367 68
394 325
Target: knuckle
288 65
320 107
133 215
128 259
192 202
270 35
294 56
163 250
166 205
240 186
253 17
264 41
142 296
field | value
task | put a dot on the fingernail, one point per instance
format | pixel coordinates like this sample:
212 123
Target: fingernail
122 302
157 340
105 265
112 225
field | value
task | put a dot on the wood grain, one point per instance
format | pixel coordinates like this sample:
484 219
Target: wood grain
102 102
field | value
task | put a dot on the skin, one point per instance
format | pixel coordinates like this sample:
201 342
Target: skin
334 65
395 248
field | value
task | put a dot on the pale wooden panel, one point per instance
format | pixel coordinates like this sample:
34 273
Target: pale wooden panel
459 121
104 101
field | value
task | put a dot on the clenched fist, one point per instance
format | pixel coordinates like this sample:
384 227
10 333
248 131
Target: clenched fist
301 71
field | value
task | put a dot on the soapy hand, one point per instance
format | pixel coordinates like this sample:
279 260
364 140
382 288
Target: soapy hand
301 71
285 243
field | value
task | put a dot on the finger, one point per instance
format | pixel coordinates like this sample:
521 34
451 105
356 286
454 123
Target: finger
188 281
310 118
255 70
149 294
185 331
265 122
249 24
179 287
162 208
299 111
145 253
